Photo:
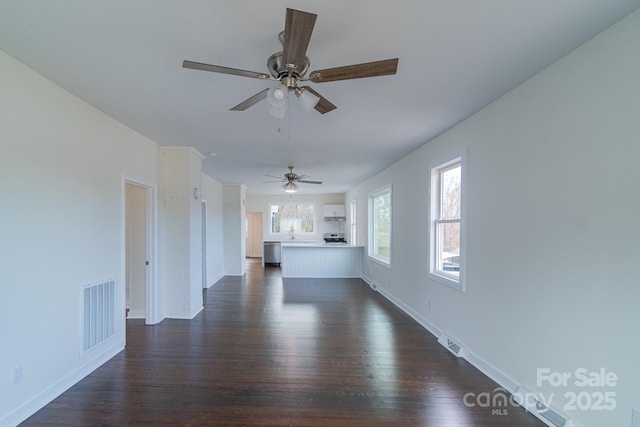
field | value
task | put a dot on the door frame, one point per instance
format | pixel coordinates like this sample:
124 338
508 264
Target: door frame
204 244
152 309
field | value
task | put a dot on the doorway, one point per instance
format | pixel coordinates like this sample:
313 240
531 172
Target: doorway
253 225
139 238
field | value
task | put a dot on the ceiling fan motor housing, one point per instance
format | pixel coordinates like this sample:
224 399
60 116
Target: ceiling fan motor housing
287 76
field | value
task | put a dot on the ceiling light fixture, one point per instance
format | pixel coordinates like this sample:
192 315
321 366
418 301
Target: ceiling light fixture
277 97
290 187
307 99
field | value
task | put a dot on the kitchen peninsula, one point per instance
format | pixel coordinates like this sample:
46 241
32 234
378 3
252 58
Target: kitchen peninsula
321 260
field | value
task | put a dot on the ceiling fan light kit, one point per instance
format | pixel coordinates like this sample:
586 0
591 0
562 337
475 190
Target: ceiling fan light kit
290 67
290 187
278 112
307 99
291 181
277 95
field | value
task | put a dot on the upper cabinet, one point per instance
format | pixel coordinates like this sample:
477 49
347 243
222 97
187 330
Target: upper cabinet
334 213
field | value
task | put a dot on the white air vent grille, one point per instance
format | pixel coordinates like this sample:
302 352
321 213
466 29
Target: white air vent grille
451 345
550 415
533 404
98 317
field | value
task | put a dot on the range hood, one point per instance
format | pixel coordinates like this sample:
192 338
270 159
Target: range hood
334 213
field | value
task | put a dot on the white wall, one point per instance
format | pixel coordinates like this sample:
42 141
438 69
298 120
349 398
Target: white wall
62 169
234 208
181 261
212 194
553 226
261 204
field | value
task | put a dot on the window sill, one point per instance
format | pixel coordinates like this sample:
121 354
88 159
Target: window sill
458 285
382 262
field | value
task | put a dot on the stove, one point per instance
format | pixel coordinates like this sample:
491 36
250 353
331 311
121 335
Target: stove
334 239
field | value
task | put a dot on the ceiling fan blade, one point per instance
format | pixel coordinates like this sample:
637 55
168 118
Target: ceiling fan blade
224 70
251 101
357 71
323 106
309 182
298 27
276 177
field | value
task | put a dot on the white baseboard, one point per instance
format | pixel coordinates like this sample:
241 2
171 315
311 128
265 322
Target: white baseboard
185 317
490 371
136 314
215 280
482 365
45 397
435 331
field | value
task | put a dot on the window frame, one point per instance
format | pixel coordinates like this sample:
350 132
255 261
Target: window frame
435 197
285 234
381 259
353 218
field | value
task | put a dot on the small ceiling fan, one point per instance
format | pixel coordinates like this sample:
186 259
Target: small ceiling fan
290 67
290 179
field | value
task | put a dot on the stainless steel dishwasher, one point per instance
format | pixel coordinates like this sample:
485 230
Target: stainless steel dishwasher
271 253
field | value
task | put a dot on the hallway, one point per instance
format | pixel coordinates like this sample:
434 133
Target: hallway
303 352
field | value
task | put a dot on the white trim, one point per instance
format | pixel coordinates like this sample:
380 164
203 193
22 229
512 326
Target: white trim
190 316
215 280
153 313
482 365
380 261
204 243
285 236
435 331
46 396
384 261
136 315
435 168
353 222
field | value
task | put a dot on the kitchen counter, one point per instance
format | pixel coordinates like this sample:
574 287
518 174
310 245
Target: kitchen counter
321 260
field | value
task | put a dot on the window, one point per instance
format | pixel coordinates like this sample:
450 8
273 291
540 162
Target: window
380 225
292 218
352 218
446 223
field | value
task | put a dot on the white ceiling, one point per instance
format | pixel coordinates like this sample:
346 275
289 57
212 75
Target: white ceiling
125 56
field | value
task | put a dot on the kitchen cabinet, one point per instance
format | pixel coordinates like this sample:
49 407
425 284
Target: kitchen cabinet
334 213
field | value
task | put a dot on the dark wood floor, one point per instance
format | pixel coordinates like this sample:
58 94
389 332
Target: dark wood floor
303 352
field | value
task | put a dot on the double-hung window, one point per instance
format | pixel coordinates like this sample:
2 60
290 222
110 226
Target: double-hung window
446 248
292 218
380 225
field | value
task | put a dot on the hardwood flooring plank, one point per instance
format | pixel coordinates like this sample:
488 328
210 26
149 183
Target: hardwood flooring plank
272 352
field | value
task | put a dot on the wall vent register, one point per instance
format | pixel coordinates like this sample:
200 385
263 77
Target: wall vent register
98 319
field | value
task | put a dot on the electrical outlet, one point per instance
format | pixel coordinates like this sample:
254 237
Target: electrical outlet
635 418
16 375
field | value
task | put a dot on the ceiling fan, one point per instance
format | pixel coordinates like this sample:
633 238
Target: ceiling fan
290 179
290 67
